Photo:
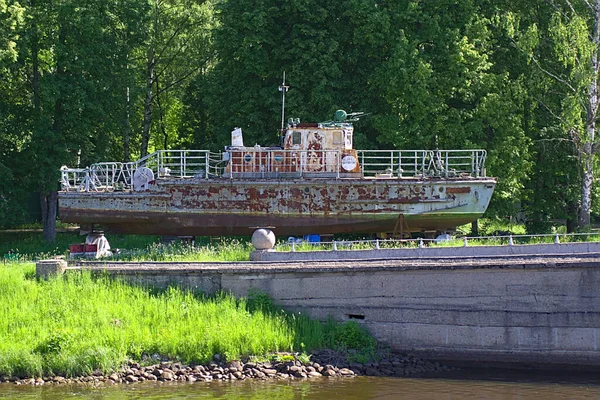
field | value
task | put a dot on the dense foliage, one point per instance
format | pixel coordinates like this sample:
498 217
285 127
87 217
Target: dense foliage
89 80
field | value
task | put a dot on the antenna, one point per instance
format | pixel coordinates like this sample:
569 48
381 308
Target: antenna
283 88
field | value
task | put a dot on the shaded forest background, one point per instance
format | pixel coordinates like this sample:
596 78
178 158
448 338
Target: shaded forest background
83 81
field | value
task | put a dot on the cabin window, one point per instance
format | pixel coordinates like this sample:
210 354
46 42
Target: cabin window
348 137
296 137
338 137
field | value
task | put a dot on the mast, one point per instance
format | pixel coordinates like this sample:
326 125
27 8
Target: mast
283 88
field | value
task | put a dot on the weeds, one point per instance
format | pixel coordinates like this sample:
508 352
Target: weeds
351 338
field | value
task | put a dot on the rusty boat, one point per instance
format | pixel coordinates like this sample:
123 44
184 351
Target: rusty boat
314 183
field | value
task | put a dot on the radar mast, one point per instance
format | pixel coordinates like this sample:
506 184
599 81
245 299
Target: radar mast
283 89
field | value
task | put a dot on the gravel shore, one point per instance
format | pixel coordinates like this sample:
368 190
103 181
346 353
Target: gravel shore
323 364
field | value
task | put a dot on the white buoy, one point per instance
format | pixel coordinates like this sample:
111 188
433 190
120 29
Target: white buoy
263 239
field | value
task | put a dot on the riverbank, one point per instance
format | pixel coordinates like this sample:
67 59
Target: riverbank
463 384
326 363
80 325
524 309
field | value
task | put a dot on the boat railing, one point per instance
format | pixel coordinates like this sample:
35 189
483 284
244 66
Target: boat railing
111 176
188 164
75 179
279 163
422 163
275 163
99 177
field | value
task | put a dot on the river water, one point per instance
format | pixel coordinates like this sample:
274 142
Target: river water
465 385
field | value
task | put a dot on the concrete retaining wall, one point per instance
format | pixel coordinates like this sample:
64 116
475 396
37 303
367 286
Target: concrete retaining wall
509 309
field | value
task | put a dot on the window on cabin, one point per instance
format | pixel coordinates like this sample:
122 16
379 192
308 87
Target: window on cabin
338 137
296 137
348 144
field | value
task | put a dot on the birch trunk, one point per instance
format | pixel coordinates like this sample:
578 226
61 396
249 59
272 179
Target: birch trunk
588 146
127 128
148 102
586 192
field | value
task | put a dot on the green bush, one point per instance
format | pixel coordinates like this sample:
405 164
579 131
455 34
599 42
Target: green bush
351 338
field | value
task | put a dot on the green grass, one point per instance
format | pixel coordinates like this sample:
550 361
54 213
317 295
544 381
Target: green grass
74 324
30 246
491 226
499 239
225 249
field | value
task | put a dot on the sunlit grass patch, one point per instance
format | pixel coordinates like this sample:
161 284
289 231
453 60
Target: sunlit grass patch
30 246
223 250
77 323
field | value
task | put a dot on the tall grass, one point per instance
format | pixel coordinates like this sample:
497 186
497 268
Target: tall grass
75 324
494 226
222 250
30 246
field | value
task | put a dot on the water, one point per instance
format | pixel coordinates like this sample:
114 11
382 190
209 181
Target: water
488 386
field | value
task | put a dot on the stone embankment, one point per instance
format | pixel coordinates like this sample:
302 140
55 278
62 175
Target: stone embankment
322 367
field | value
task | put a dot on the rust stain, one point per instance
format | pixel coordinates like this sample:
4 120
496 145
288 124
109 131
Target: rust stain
458 190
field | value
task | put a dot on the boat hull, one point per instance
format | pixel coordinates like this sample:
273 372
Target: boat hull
198 207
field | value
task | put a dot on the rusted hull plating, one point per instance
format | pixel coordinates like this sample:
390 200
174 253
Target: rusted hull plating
292 207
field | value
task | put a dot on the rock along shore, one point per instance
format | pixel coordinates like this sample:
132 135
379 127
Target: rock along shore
326 364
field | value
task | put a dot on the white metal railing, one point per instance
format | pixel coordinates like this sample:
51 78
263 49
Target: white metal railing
423 163
189 163
76 179
274 163
294 244
109 176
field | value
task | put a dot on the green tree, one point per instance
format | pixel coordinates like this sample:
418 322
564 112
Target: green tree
11 16
176 50
561 42
443 90
73 50
328 50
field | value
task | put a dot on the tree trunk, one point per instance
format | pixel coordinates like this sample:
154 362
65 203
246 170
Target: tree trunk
35 66
48 202
127 128
161 119
586 191
48 199
148 102
35 63
572 216
48 194
587 148
475 228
